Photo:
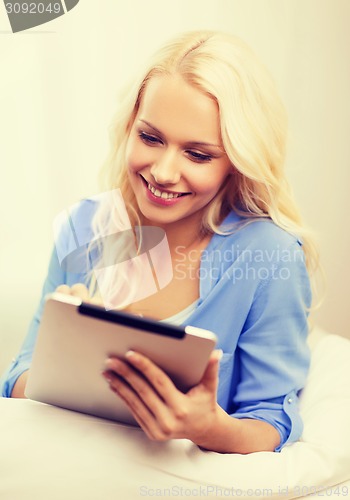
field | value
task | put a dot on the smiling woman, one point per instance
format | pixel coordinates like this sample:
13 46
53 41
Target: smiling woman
198 150
174 155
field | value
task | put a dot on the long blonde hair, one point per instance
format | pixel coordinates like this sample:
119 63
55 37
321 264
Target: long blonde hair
253 128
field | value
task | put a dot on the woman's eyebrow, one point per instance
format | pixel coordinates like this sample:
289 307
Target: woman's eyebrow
192 143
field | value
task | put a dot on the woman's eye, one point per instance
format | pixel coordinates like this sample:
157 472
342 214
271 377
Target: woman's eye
149 139
199 157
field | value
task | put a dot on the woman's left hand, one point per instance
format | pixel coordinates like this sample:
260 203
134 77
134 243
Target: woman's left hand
163 411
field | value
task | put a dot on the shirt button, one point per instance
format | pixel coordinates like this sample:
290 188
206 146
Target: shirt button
290 400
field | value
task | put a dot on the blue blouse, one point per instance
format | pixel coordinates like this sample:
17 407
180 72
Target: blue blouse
254 294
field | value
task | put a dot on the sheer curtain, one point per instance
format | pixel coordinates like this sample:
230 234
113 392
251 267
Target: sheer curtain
58 91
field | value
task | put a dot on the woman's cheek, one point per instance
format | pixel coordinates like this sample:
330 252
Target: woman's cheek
138 156
203 183
130 153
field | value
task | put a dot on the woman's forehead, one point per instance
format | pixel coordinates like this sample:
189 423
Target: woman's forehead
174 106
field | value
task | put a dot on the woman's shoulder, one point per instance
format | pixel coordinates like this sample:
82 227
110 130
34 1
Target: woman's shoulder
255 235
256 251
73 233
82 212
75 222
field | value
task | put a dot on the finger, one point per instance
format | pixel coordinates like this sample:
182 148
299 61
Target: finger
128 395
156 377
96 300
140 412
211 375
80 290
63 289
140 386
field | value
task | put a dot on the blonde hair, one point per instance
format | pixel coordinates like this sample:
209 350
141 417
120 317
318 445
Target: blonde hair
253 128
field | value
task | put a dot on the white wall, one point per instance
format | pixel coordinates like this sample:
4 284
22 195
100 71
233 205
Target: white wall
58 87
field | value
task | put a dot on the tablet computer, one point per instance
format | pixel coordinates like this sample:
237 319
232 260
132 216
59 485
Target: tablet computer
75 338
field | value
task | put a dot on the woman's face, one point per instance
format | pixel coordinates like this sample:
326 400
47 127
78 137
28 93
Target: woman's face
175 158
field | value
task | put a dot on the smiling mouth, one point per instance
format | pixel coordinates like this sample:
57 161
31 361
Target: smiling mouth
165 195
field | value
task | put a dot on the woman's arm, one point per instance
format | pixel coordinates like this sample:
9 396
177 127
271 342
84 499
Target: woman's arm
78 290
165 413
232 435
20 385
12 382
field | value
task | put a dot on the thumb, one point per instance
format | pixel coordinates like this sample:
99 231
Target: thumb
211 374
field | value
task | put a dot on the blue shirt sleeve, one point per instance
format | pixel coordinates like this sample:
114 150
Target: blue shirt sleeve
21 363
68 265
272 352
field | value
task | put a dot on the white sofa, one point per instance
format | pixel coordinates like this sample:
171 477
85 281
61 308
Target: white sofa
47 452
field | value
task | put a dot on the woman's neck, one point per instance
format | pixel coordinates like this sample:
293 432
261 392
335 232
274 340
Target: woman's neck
184 233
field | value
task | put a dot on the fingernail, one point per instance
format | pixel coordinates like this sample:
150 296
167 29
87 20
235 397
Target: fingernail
220 354
131 354
111 361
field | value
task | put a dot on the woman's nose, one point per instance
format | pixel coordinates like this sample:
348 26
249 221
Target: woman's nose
166 169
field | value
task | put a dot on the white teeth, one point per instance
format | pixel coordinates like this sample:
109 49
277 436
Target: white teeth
162 194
